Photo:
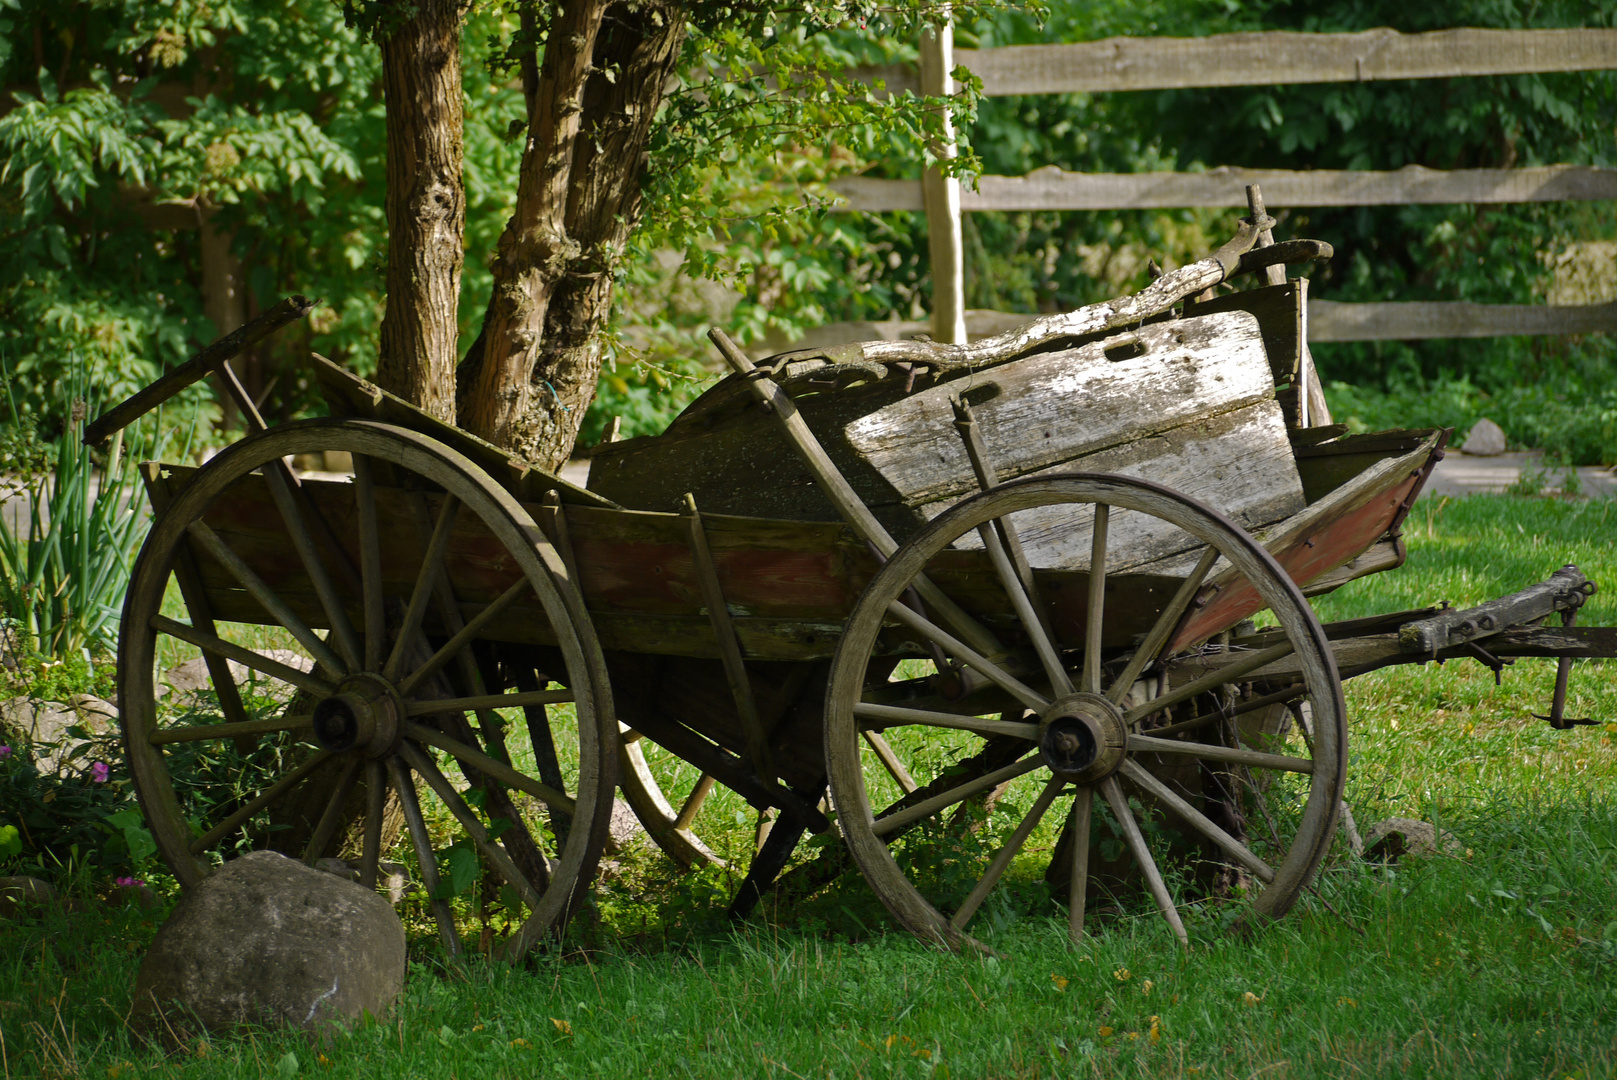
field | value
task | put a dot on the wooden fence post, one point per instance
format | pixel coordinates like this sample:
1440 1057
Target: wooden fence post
941 196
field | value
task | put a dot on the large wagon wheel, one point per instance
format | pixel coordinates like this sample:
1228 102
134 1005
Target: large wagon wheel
1057 726
387 675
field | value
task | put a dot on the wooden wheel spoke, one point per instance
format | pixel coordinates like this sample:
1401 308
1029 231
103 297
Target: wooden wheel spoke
1158 635
493 851
693 802
1201 822
303 542
1279 697
1113 792
370 563
254 805
488 766
267 597
1078 829
1002 860
375 809
331 818
955 647
1043 643
257 661
1096 611
900 818
432 564
884 716
890 761
431 706
465 635
541 738
1225 674
244 729
426 859
1239 755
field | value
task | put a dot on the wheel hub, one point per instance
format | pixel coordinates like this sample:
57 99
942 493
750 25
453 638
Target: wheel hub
1082 737
364 716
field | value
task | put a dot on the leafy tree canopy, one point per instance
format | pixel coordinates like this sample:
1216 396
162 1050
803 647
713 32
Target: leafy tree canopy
127 126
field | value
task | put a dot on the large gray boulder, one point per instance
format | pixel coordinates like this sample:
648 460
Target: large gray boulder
268 941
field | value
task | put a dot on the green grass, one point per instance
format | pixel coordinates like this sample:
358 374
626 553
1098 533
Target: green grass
1500 960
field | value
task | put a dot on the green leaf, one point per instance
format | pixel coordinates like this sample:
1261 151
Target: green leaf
288 1066
10 842
461 862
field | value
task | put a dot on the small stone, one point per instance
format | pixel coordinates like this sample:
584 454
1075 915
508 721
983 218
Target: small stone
47 728
268 941
1391 840
623 828
23 891
189 678
391 877
1486 439
341 867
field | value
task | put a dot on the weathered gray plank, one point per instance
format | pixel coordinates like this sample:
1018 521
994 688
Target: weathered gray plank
1239 463
1051 188
1330 321
1279 310
1271 58
1054 407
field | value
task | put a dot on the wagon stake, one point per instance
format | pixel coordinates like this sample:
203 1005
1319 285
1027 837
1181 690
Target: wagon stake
1563 667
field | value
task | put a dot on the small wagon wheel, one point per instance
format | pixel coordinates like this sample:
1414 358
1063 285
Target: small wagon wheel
672 828
1057 726
380 651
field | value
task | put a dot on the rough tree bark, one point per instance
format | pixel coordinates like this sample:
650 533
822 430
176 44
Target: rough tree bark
426 206
528 381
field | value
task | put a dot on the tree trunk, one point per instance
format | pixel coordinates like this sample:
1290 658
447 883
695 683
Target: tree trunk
426 207
224 299
529 381
534 248
603 209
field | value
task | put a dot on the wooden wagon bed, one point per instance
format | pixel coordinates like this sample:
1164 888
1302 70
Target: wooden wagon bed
790 583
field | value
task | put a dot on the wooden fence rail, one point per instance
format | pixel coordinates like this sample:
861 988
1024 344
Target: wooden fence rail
1270 58
1412 321
1050 188
1327 321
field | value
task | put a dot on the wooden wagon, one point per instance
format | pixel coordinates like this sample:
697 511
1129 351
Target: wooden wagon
943 595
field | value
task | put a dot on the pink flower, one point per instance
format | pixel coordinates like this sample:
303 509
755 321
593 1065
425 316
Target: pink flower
99 772
5 751
130 882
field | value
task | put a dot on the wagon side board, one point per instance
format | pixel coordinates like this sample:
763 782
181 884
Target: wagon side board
1329 535
789 585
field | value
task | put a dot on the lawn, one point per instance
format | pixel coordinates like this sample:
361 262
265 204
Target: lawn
1498 959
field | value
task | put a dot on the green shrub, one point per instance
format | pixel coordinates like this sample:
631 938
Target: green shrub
1573 424
65 563
83 816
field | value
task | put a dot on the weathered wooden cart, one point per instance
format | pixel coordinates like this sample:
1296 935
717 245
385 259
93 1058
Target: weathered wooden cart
938 590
